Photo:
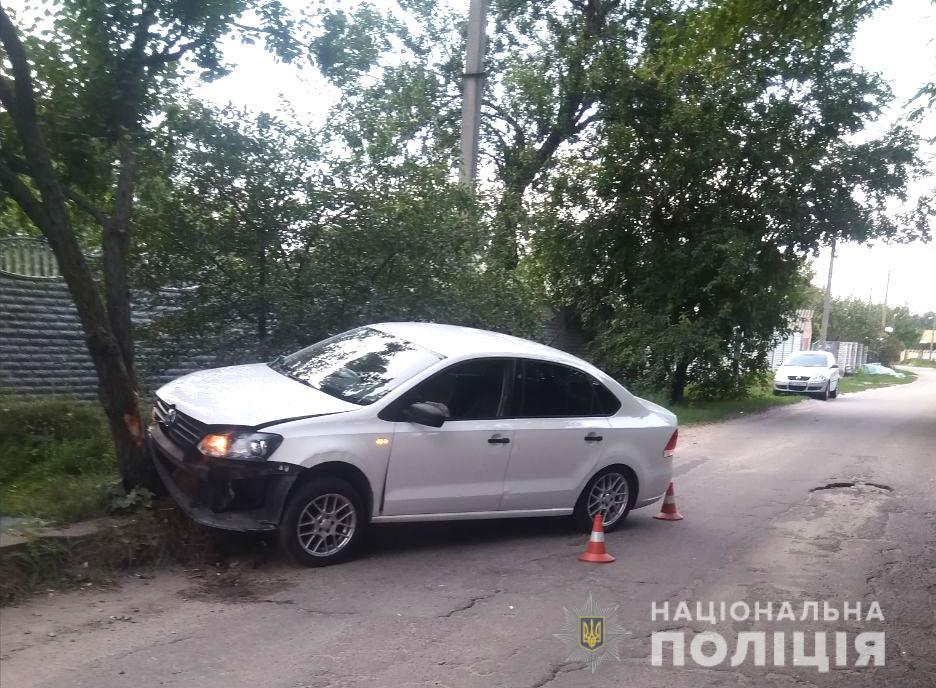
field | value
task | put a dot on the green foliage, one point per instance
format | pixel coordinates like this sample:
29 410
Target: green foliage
56 459
863 381
683 229
272 252
703 409
855 320
890 350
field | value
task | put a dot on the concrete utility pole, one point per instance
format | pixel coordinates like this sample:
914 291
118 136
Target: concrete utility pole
884 305
473 86
827 302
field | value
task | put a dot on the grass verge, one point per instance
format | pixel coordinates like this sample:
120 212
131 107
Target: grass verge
919 363
56 460
693 413
863 381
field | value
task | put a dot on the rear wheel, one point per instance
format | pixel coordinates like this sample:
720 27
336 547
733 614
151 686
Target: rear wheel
323 522
611 493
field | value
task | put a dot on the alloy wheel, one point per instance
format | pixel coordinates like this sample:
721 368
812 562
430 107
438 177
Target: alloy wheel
608 497
326 525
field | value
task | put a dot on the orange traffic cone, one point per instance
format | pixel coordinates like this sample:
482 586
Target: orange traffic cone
595 550
669 512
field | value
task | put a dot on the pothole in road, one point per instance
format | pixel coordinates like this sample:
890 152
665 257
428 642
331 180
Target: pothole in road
854 483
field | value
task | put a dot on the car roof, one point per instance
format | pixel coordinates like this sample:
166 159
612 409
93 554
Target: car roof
454 340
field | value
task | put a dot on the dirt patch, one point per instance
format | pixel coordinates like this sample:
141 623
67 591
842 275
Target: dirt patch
153 537
233 584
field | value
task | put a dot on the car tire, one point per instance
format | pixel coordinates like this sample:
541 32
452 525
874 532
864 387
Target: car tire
834 393
323 514
824 394
580 516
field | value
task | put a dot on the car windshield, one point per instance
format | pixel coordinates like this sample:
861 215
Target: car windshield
359 366
807 361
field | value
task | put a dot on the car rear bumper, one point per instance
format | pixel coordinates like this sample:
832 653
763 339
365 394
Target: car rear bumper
232 495
653 479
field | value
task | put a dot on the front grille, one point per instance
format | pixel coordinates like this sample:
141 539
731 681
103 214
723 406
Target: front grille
799 377
185 431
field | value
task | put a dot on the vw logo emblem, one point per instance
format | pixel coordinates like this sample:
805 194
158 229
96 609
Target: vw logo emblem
171 416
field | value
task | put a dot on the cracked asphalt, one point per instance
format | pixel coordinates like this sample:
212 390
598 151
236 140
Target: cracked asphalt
478 604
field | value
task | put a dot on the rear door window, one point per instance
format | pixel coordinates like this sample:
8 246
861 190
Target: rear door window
551 390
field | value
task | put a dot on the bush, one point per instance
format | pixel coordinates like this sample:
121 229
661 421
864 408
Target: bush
56 459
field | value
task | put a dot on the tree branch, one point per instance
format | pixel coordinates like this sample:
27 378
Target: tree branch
6 94
23 196
166 56
84 203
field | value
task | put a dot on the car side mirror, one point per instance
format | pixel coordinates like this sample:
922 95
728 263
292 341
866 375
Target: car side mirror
834 365
426 413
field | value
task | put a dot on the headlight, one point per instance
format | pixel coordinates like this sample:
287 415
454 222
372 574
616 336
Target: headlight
252 446
819 378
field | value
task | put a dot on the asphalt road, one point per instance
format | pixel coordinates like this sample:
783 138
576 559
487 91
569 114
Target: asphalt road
469 605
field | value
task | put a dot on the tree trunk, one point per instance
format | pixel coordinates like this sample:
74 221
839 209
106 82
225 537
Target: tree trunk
262 305
49 212
115 242
680 377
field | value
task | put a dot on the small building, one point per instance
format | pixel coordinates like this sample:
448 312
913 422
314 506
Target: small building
800 339
926 351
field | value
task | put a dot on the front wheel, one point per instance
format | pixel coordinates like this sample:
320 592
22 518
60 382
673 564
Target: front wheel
323 522
611 493
834 393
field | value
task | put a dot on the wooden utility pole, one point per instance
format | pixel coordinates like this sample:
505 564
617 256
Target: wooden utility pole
473 86
827 302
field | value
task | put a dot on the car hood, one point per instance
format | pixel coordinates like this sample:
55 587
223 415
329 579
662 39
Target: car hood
247 395
784 371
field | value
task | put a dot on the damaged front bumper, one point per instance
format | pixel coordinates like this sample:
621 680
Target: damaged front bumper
221 493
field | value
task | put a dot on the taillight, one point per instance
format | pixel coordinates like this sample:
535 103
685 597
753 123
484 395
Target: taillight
671 445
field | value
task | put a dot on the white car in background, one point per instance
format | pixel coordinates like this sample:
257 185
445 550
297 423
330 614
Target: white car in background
808 372
406 422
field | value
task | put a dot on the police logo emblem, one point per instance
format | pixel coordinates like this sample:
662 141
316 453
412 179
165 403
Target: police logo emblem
591 634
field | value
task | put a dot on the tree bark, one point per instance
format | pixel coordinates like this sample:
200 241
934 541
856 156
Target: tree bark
115 242
262 304
49 212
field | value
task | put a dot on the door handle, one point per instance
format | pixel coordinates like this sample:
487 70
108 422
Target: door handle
592 437
497 439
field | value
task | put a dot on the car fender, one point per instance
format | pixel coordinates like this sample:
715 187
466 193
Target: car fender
362 443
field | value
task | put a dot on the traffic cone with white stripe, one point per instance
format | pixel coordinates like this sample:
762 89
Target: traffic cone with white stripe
668 512
595 550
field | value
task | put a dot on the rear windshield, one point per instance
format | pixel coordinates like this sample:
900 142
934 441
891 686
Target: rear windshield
359 366
807 360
